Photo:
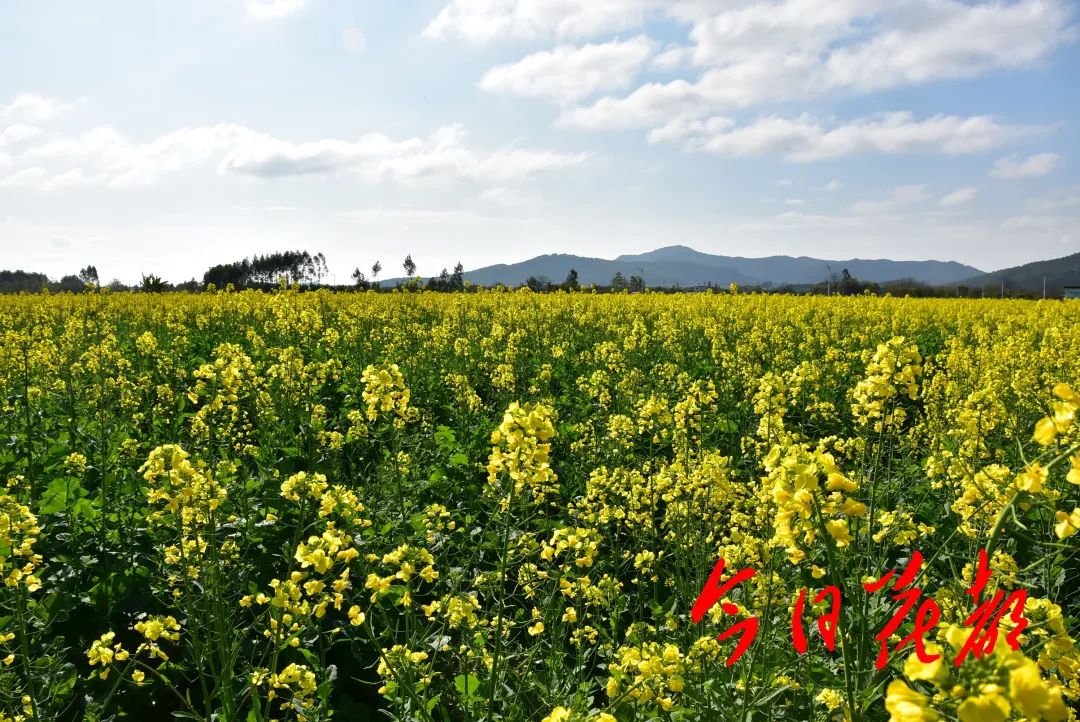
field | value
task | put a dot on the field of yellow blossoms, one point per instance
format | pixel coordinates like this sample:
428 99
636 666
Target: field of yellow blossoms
503 506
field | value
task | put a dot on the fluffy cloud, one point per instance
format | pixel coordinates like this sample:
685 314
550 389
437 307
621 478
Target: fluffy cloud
920 40
958 197
764 52
568 74
17 133
104 157
272 9
31 108
480 21
806 139
1035 166
373 157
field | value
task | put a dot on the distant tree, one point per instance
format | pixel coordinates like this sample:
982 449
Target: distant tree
72 283
152 284
457 279
117 285
409 265
359 279
89 275
637 284
16 281
618 282
848 285
571 281
316 268
539 284
294 266
440 282
376 269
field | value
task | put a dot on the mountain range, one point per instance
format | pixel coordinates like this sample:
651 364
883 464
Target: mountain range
1052 276
680 266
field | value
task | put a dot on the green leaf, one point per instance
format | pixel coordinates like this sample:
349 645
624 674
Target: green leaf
468 686
59 494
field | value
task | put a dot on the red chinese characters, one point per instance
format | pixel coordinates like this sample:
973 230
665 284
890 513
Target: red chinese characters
985 621
826 623
712 593
926 618
987 616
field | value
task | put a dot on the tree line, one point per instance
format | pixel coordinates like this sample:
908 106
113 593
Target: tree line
309 270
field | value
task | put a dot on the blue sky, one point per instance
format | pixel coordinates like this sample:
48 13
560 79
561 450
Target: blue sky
164 137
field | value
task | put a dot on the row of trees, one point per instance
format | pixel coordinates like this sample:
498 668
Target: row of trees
86 278
294 266
301 267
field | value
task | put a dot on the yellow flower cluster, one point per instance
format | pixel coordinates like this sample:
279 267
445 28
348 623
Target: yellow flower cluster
565 714
406 562
1049 428
648 673
104 652
893 370
182 490
399 666
520 451
811 495
155 628
295 686
19 532
990 689
385 392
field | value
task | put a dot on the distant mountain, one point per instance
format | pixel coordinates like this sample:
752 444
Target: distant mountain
600 271
1059 272
685 267
789 270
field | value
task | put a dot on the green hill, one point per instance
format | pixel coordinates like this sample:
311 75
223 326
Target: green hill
1028 278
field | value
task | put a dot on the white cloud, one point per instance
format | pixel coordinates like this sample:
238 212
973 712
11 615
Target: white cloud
807 139
1013 167
104 157
32 108
1027 223
832 185
37 178
353 40
17 133
764 77
501 195
568 74
672 58
762 52
898 198
921 40
786 27
272 9
959 197
650 105
480 21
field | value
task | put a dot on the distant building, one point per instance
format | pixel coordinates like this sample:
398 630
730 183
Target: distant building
1072 292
